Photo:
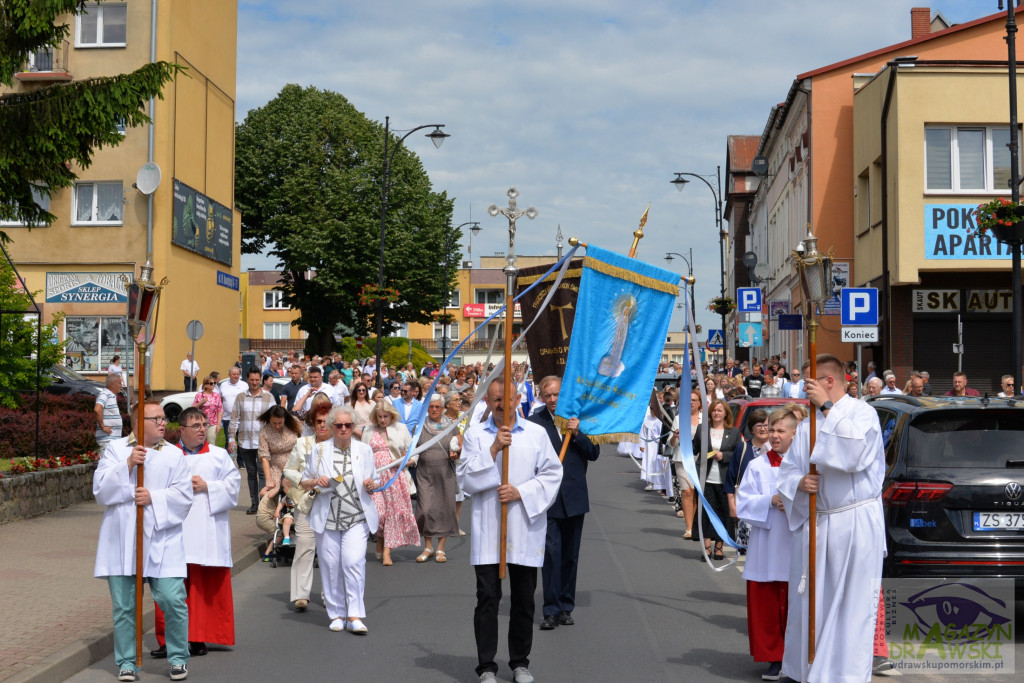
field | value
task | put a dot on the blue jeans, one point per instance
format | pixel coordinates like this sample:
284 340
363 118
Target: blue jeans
169 593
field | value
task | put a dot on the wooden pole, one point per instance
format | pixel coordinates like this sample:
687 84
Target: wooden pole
812 519
509 415
140 435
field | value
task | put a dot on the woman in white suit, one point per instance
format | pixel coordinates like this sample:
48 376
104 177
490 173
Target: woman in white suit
343 516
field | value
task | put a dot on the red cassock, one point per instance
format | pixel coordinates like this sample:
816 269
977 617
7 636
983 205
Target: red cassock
767 608
211 609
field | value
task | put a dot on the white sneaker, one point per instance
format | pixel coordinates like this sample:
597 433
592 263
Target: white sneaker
649 487
338 625
357 627
522 675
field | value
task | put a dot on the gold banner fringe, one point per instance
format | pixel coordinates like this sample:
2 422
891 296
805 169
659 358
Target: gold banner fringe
563 426
530 279
630 276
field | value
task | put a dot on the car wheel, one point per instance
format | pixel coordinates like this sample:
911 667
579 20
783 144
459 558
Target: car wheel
172 411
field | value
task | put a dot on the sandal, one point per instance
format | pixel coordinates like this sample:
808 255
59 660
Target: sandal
688 535
425 555
440 557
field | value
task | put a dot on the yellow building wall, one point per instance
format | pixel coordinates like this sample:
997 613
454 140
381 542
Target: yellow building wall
254 314
194 142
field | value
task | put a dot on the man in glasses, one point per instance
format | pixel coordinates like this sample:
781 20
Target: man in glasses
794 388
167 499
409 406
207 532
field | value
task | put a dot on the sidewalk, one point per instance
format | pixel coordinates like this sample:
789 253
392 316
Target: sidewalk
56 616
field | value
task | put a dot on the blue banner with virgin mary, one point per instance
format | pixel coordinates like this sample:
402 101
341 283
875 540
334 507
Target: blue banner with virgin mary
622 317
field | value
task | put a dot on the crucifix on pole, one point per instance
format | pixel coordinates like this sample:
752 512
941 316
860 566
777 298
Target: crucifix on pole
512 213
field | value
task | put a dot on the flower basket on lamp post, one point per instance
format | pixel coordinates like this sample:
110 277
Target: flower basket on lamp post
1003 218
722 305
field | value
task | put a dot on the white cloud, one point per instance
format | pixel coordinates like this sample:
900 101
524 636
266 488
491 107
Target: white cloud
586 106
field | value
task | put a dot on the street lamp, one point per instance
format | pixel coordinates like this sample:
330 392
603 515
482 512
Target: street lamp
143 302
436 136
1015 242
680 182
475 229
815 271
446 324
689 279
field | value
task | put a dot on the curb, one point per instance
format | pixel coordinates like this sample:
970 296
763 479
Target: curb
80 655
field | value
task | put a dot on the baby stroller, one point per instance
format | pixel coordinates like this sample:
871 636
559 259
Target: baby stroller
280 549
281 552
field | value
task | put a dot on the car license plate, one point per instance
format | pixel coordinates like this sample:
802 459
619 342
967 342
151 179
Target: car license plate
997 521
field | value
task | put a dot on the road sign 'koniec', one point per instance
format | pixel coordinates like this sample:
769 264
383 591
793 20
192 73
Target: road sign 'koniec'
622 316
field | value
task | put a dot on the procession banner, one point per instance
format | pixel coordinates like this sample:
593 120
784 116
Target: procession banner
622 316
548 339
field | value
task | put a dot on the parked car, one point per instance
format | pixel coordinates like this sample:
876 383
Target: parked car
67 381
175 403
953 494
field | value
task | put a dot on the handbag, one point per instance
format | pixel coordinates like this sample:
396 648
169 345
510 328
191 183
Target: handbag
305 502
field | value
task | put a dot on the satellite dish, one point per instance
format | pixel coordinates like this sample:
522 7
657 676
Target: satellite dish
760 165
750 259
148 178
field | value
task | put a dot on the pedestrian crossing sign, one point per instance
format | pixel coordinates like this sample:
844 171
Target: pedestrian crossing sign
715 339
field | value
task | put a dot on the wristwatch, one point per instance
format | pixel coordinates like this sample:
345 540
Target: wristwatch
826 406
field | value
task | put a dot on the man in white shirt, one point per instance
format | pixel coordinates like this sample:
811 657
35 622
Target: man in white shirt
230 389
535 475
341 392
167 499
315 384
207 533
873 387
108 414
1006 384
409 407
190 370
890 385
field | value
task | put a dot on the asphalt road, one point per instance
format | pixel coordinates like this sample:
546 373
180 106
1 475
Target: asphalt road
647 610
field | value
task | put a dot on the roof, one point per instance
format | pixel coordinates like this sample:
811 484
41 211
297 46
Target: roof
741 152
905 44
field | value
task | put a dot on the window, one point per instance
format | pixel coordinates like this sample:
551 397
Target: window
967 158
41 200
102 26
120 125
454 302
98 203
91 341
276 330
41 60
274 299
452 331
489 296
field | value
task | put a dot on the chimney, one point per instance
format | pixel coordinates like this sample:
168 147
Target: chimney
920 22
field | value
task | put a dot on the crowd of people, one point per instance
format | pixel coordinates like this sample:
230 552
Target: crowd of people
323 463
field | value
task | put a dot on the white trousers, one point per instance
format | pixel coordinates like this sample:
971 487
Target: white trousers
302 563
343 570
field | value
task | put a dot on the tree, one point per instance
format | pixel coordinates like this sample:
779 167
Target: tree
18 339
308 168
46 127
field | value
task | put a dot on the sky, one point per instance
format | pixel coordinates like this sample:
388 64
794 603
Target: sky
587 107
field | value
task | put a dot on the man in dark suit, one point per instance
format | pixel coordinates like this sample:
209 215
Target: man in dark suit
565 516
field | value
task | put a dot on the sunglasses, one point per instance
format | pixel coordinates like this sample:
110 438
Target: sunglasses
343 425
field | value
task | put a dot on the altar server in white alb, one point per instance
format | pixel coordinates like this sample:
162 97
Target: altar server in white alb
850 527
166 498
207 529
759 504
534 475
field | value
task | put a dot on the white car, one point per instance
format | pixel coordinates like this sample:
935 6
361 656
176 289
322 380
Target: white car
175 403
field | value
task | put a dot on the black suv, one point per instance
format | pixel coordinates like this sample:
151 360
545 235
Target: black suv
953 493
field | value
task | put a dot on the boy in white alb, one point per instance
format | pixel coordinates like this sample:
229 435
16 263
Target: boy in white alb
768 554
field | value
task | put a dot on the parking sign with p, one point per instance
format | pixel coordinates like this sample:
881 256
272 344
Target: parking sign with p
859 306
749 299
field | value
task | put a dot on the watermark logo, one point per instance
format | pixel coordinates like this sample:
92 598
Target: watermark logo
947 626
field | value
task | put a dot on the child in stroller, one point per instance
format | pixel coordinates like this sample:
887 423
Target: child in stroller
280 548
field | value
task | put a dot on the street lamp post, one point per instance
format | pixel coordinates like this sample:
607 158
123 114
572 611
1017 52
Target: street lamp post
680 182
436 136
472 231
1015 244
689 279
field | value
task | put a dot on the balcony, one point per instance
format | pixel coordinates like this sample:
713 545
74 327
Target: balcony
47 64
434 345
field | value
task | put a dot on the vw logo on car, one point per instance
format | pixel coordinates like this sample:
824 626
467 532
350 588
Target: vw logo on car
1013 490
